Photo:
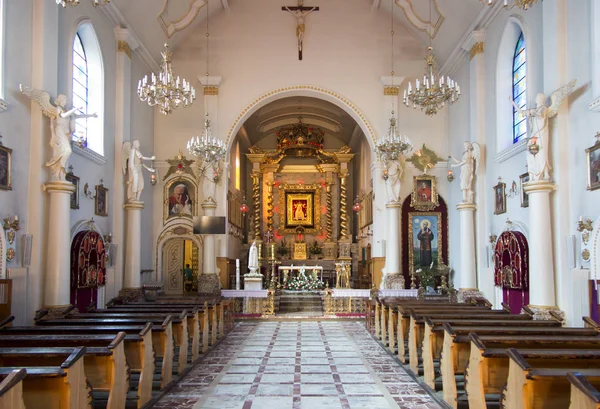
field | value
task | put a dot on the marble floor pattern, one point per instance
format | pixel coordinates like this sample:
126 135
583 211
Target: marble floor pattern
297 365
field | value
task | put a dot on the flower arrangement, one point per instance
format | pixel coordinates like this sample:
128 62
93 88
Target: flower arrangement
282 250
427 276
303 282
315 248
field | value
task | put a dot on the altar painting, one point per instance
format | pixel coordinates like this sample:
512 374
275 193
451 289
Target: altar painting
425 241
299 206
299 209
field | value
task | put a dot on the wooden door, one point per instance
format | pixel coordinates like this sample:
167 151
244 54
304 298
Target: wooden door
173 266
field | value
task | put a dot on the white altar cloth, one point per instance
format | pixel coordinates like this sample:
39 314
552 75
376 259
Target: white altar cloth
244 293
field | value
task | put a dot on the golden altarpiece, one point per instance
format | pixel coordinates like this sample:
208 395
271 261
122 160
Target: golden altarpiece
300 197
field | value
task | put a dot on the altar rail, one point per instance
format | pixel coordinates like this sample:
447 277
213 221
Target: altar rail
350 301
251 302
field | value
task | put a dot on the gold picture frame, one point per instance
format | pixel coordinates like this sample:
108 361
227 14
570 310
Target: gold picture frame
593 166
416 225
5 167
500 198
307 216
524 178
70 177
179 198
424 196
101 201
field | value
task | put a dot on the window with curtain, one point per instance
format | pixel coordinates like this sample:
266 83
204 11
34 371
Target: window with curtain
80 90
519 85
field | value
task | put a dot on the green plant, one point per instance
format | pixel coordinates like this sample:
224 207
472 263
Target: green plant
282 250
426 277
315 249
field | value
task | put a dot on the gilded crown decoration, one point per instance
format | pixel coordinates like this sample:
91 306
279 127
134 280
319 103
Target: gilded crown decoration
300 139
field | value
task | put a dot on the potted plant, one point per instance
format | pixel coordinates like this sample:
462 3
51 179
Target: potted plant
282 250
315 249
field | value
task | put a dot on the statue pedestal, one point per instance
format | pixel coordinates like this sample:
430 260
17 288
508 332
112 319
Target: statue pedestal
58 259
393 281
253 282
133 260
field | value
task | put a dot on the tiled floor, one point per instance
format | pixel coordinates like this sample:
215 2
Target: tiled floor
298 365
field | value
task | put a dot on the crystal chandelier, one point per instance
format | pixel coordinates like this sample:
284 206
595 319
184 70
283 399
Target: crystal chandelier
434 92
164 89
207 148
393 145
74 3
522 4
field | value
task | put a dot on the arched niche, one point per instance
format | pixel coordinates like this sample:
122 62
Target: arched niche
511 269
182 230
88 268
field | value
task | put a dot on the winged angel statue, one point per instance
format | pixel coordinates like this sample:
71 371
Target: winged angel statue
469 164
62 125
394 175
538 164
132 161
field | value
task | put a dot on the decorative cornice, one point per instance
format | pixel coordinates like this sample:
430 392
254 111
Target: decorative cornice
476 49
211 90
511 151
391 90
592 106
123 47
482 22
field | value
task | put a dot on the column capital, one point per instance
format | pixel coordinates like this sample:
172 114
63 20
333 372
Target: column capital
209 204
393 205
539 186
139 206
475 37
59 186
471 207
125 41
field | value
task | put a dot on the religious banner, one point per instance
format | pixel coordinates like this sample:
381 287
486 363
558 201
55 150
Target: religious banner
424 240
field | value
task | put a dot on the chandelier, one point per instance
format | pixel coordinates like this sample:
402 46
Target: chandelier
207 148
434 92
522 4
164 89
74 3
393 145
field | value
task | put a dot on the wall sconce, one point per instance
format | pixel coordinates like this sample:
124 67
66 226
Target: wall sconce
533 147
11 226
107 238
585 228
514 190
450 176
493 238
587 225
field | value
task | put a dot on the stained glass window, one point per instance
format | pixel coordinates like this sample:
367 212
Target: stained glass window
80 90
519 82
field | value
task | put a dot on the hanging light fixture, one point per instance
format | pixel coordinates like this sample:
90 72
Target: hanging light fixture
74 3
244 206
357 204
435 91
522 4
393 145
166 90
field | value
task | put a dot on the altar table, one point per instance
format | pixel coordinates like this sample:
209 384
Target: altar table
312 270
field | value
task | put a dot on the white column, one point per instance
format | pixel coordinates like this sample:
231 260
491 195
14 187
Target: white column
379 216
58 246
392 277
133 252
468 270
125 45
208 282
541 258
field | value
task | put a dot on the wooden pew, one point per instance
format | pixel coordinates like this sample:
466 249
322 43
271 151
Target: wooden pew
584 395
61 382
139 351
539 379
162 341
104 361
11 390
487 371
456 349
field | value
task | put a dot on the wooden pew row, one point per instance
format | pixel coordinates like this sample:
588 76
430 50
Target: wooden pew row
539 380
105 365
162 340
139 351
488 367
584 394
456 350
11 390
434 337
55 377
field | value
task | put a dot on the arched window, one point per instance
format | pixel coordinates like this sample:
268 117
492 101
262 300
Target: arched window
88 92
80 90
519 89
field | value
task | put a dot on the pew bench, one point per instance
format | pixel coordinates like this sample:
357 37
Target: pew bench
584 394
11 390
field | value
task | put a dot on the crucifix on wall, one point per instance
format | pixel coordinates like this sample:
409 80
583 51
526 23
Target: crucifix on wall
300 12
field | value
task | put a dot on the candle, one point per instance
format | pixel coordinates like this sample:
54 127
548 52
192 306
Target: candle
237 263
16 218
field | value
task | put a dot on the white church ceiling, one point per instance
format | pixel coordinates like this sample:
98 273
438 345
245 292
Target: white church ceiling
156 21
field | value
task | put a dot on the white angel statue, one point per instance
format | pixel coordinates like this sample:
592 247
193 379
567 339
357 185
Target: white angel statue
132 159
62 125
469 164
538 164
395 175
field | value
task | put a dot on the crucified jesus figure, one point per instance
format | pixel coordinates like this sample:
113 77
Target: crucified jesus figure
300 15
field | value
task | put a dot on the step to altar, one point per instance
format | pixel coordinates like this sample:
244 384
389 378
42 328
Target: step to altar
306 303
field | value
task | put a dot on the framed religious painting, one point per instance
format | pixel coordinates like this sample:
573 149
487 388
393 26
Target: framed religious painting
593 166
101 204
424 240
424 196
500 198
179 198
299 206
524 178
5 167
70 177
